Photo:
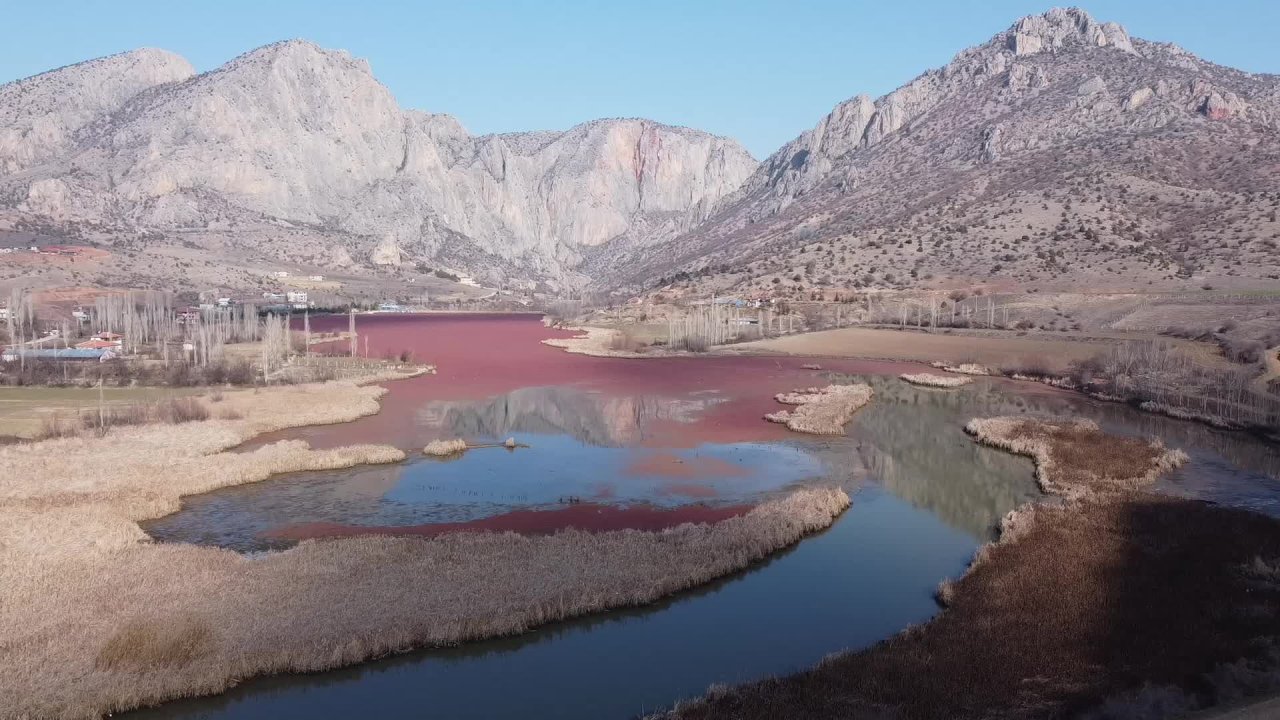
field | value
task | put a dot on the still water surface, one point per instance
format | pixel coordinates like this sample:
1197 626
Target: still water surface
677 436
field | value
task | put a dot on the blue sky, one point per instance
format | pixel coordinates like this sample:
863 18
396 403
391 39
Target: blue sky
758 71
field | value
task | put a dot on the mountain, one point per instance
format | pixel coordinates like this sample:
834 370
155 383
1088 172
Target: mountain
1061 152
300 154
41 116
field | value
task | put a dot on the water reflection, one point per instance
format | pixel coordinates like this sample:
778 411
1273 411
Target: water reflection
862 580
591 417
596 447
933 496
584 447
913 440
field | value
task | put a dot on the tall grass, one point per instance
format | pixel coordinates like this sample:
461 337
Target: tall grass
1131 604
821 411
98 620
171 411
936 381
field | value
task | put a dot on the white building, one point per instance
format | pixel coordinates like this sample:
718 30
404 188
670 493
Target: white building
295 297
317 278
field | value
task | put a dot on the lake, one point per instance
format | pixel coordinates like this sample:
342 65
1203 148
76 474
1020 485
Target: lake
647 444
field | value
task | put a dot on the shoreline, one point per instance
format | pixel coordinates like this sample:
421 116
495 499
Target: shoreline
1065 593
172 620
595 339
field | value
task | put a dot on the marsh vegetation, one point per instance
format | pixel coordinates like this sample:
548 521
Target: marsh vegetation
1083 592
184 619
937 381
821 411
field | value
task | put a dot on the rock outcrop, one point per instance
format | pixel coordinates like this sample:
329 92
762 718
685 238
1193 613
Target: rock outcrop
292 133
41 116
1053 100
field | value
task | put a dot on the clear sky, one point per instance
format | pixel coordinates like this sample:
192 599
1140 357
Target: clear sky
760 71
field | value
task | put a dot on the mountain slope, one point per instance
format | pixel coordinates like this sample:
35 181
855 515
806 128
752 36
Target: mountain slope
40 116
1061 151
297 137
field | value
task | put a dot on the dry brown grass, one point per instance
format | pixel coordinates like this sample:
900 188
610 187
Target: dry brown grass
98 619
1074 458
964 368
599 342
1110 600
156 644
821 411
936 381
444 448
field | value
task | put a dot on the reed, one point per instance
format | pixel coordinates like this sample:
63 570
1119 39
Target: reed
98 619
936 381
967 368
1074 458
1134 604
821 411
444 448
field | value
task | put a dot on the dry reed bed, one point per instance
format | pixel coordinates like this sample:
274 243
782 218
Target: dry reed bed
936 381
97 619
598 342
448 448
1112 596
963 368
821 411
1074 458
445 448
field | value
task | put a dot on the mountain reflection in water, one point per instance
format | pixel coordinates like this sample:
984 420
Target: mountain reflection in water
590 417
658 451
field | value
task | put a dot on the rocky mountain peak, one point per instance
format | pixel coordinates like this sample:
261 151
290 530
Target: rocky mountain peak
1064 27
297 55
1056 100
299 136
40 116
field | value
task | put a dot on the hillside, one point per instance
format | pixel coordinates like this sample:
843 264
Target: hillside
293 153
1062 154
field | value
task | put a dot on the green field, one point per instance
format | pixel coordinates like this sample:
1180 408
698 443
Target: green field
23 409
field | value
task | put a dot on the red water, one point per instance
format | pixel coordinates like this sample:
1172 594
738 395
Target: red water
585 516
482 356
485 356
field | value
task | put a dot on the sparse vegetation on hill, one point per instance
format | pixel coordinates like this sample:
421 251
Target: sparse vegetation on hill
1087 162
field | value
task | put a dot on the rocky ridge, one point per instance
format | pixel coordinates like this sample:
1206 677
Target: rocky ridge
293 136
1058 147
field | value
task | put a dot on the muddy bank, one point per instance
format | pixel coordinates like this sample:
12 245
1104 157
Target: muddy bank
1118 602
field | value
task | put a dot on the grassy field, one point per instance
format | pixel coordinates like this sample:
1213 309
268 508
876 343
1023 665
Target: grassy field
23 410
